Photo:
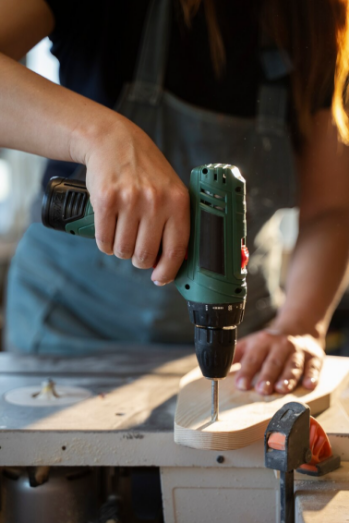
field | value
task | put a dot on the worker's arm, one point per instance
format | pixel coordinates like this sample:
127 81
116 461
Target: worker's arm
127 176
293 347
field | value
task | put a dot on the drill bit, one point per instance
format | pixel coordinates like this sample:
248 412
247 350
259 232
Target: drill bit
215 401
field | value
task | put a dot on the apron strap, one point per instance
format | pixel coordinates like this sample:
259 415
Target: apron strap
272 109
273 93
151 65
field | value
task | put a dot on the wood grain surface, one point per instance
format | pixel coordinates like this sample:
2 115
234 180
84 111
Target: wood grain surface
244 416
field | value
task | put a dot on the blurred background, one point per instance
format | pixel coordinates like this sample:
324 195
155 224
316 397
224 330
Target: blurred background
20 179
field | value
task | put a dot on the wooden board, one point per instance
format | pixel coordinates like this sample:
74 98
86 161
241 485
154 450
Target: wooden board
244 416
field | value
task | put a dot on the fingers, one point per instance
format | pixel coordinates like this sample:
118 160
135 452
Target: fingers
174 247
147 243
291 374
273 366
147 217
126 235
256 348
312 372
105 220
281 360
175 239
278 359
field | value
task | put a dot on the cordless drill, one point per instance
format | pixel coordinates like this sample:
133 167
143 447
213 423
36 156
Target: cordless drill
212 278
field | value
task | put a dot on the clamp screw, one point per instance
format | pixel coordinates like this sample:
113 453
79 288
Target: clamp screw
308 456
220 459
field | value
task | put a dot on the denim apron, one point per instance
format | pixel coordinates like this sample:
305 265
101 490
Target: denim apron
64 296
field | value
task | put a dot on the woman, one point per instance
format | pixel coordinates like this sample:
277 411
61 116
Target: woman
201 95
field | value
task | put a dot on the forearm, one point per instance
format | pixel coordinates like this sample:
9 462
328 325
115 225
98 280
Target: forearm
316 277
129 179
43 118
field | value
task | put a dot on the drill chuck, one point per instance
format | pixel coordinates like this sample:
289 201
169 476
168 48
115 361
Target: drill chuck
215 335
215 351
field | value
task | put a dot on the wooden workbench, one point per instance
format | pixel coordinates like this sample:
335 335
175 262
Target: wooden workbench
128 421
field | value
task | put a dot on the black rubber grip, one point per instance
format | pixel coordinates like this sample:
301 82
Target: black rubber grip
64 201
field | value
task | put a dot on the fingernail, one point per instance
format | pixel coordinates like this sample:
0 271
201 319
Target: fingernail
291 385
242 384
100 246
161 284
310 382
263 387
282 385
285 386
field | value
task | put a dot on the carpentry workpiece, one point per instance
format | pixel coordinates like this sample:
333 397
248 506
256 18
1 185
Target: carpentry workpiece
212 278
245 414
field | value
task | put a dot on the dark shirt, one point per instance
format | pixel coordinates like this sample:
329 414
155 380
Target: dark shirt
97 44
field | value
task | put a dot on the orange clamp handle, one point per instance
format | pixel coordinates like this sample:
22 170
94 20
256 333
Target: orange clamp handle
320 446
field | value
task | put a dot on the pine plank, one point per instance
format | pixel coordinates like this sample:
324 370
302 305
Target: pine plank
244 415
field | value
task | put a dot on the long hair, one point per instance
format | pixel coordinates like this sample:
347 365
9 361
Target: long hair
316 35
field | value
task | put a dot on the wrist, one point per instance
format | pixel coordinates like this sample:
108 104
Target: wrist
295 325
91 132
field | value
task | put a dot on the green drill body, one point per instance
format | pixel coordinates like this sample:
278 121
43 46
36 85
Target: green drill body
84 226
212 272
217 201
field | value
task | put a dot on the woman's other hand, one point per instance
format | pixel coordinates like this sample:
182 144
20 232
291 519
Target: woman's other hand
281 361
